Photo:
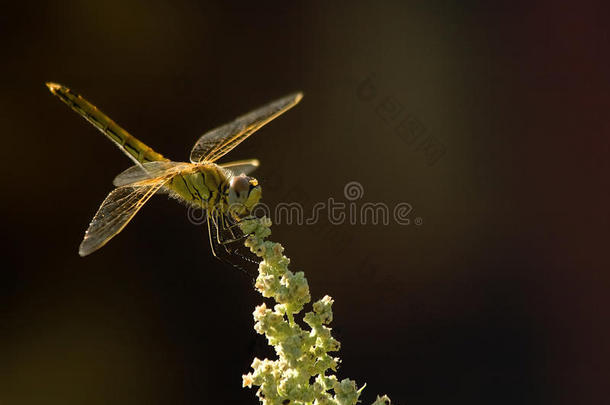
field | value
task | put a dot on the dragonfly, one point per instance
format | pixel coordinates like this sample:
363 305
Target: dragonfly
223 190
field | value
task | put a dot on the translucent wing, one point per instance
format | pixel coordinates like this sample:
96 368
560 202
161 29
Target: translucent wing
217 142
115 212
148 171
242 166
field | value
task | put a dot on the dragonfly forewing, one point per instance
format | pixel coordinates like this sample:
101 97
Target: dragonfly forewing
218 142
148 171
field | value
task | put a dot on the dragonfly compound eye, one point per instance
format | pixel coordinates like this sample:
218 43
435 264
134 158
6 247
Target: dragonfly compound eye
240 184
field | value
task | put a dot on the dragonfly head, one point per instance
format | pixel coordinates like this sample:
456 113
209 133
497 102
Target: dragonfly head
244 194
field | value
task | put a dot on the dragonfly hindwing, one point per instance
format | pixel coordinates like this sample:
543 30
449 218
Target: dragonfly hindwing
147 171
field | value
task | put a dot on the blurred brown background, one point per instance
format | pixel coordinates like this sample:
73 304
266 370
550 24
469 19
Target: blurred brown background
498 297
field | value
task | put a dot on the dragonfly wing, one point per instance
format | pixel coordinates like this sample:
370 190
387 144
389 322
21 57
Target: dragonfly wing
148 171
217 142
242 166
114 214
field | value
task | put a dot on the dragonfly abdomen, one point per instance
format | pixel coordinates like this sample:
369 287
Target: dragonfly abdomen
131 146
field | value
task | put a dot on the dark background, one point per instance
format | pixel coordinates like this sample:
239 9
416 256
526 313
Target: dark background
498 297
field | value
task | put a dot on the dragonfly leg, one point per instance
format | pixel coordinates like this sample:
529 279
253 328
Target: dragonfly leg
214 218
222 229
228 236
229 228
235 221
224 255
211 230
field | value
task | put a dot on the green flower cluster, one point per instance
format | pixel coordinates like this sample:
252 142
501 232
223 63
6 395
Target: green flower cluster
302 374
